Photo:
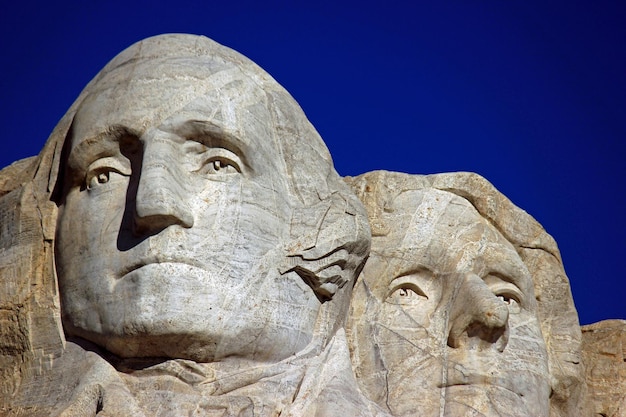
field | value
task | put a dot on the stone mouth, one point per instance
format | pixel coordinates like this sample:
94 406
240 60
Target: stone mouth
481 381
135 266
485 384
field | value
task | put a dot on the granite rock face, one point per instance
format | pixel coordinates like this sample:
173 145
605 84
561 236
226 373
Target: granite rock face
463 307
604 351
182 244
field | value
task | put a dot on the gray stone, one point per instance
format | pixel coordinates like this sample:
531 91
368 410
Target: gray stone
463 307
203 247
182 245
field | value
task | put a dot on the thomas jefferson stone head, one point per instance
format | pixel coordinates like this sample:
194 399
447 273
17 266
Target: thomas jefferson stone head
449 312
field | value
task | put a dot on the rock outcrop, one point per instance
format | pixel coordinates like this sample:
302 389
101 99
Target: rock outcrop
604 353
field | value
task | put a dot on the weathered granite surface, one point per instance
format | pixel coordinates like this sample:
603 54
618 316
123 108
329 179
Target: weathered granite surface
182 245
604 352
463 307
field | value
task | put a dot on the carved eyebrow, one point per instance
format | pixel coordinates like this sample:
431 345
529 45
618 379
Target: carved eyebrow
212 136
410 276
512 270
419 272
508 273
98 146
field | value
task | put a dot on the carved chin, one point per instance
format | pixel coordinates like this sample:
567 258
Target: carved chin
167 346
196 346
179 311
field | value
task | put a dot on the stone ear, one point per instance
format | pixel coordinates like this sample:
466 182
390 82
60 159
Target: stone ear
329 243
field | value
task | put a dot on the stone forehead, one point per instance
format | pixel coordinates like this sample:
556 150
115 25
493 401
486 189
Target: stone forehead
392 199
203 73
190 50
427 206
182 68
426 211
153 91
157 66
426 222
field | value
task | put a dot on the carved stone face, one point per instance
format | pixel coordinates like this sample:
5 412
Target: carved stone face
450 312
175 213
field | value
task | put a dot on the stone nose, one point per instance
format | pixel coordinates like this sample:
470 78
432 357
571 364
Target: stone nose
161 199
477 317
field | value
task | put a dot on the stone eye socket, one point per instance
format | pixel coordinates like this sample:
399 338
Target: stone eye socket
105 170
510 295
504 289
508 298
406 294
512 300
212 160
99 178
221 165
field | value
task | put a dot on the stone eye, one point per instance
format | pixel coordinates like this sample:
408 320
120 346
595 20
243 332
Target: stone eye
105 170
506 291
223 165
97 179
103 177
406 294
212 161
506 298
511 300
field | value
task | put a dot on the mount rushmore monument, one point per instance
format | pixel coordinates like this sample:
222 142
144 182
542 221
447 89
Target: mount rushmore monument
182 245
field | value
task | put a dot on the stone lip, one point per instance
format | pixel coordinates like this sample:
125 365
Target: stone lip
480 380
124 271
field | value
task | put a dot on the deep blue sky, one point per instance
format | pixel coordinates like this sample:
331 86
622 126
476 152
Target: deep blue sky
530 95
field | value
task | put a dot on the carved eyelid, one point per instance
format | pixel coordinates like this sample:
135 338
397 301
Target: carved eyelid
211 154
110 164
406 281
105 165
502 285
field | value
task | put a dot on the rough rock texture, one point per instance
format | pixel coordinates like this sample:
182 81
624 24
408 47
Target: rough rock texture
463 307
604 351
182 244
